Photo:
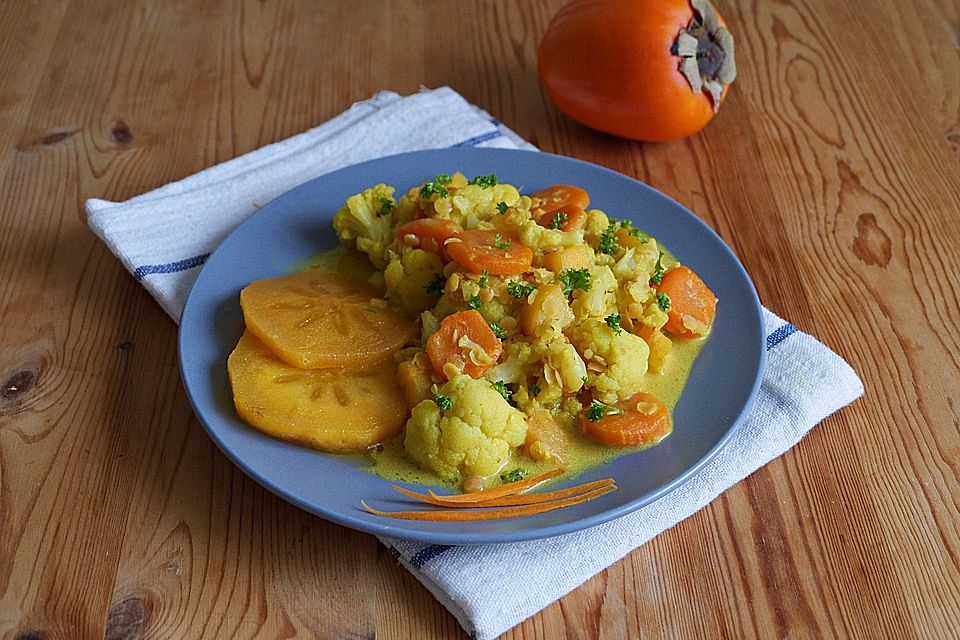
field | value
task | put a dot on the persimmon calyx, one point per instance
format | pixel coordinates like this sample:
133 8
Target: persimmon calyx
706 54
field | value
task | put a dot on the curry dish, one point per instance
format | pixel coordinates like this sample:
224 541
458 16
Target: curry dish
471 335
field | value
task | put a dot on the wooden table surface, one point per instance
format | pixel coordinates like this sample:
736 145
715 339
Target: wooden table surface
833 171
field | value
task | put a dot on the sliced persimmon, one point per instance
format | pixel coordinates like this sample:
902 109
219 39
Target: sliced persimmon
497 254
327 409
316 319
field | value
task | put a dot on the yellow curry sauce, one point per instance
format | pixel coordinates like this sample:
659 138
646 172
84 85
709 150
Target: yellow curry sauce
390 461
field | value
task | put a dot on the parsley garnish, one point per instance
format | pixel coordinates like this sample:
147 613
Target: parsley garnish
519 289
608 240
597 411
534 388
436 186
498 330
485 181
474 302
500 243
515 475
444 402
664 301
386 206
657 276
613 321
575 279
435 286
502 207
559 219
483 279
502 390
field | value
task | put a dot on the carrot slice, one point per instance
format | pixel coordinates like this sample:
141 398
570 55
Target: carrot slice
501 491
497 254
562 195
566 218
431 234
473 515
509 501
466 341
638 420
692 304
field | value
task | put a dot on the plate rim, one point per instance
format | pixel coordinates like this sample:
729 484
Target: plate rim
395 530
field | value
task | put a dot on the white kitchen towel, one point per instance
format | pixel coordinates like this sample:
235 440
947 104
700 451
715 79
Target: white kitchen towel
164 236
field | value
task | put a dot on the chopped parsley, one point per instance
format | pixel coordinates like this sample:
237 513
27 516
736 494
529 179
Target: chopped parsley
502 207
485 181
633 231
608 240
575 279
483 279
519 289
664 301
613 321
435 186
559 219
435 286
598 411
498 330
657 276
534 388
444 402
500 243
514 475
474 302
502 390
386 206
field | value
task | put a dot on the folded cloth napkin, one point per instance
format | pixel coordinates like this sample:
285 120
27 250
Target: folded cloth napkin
162 237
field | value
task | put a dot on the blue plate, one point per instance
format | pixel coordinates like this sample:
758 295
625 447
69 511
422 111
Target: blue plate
722 386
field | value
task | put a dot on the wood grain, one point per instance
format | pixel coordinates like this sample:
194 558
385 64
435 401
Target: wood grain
833 171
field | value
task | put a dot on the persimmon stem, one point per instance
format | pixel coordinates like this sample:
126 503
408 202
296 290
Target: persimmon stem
706 53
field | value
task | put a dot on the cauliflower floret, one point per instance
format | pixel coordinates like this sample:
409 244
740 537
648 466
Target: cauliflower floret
365 222
408 276
600 300
473 438
597 223
470 204
616 362
564 366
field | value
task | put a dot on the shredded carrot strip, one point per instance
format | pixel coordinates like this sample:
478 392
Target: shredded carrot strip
509 501
498 492
472 515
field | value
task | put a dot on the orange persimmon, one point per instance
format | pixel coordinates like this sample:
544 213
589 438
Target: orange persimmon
466 341
639 69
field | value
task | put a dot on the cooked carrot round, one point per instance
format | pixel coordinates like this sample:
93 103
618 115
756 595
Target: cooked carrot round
566 218
692 304
495 253
431 234
466 341
562 195
639 420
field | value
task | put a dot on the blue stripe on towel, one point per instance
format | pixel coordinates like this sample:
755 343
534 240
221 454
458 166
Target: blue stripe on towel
171 267
780 335
475 140
427 554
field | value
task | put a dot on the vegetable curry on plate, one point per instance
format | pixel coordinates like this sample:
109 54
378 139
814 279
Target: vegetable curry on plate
470 335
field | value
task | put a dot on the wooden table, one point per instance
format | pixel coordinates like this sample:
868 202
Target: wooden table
833 171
